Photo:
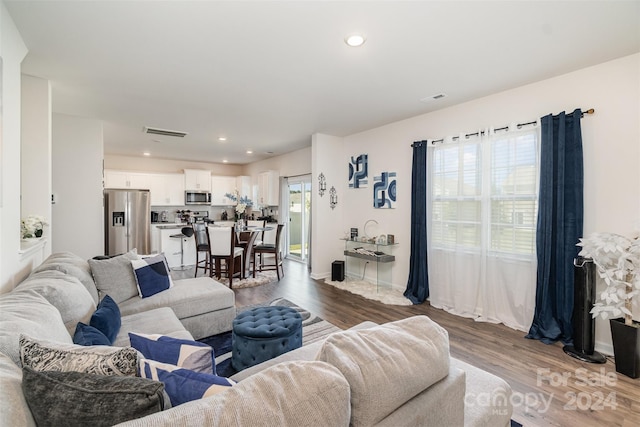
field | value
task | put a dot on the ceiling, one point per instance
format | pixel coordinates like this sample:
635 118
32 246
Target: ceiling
268 75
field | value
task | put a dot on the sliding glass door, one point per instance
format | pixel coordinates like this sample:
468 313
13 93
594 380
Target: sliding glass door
299 210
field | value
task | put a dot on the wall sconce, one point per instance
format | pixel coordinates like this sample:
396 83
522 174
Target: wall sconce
323 184
333 197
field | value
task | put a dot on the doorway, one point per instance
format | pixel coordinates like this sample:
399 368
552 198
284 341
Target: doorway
299 213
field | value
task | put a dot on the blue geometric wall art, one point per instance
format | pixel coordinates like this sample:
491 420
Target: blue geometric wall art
384 190
358 171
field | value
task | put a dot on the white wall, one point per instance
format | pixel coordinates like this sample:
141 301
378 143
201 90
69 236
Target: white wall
151 164
13 266
36 151
290 164
327 225
611 139
77 186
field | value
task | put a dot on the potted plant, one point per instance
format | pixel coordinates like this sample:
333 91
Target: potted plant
617 259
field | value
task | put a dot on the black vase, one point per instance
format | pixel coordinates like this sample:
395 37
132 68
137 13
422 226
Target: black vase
626 347
38 233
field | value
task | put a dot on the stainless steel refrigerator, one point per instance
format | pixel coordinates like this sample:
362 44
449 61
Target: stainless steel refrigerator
127 216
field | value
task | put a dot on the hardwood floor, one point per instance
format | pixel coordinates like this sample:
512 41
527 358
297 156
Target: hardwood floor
550 388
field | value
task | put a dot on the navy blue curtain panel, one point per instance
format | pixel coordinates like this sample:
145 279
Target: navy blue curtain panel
418 284
560 218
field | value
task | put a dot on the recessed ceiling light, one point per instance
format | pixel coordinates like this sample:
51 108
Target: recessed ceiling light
249 152
222 139
355 40
146 153
225 161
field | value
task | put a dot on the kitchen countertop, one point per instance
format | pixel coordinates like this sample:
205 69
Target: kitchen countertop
169 226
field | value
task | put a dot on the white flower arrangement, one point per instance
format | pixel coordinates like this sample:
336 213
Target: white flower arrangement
617 259
240 208
33 226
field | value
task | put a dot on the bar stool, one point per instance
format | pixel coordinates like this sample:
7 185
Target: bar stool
202 245
185 233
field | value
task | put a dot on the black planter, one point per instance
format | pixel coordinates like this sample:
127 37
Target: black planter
626 347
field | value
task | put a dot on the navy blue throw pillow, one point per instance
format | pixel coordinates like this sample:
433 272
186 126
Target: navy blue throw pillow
107 318
88 335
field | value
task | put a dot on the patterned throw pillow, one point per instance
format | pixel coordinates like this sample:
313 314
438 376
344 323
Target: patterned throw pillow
43 355
75 398
192 355
183 385
152 275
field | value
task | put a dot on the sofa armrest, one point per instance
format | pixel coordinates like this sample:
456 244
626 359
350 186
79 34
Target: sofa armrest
307 352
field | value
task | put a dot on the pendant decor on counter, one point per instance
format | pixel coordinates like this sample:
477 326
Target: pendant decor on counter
384 190
358 171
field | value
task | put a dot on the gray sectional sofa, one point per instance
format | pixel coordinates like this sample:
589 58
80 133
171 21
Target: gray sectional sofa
389 375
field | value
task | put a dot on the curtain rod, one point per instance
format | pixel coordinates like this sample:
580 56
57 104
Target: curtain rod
519 125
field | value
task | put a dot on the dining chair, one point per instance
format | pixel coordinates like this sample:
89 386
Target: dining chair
202 246
269 249
222 247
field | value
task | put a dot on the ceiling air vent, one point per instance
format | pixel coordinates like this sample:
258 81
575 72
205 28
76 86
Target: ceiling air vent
434 97
164 132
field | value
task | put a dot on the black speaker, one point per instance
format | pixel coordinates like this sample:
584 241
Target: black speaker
584 295
337 271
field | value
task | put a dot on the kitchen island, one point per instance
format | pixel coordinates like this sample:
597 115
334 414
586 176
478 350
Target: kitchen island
161 242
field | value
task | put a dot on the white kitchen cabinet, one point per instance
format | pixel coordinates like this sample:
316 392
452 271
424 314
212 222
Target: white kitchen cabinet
167 189
197 180
126 179
243 185
268 188
221 185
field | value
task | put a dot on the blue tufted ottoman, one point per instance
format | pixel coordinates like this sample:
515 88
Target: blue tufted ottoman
263 333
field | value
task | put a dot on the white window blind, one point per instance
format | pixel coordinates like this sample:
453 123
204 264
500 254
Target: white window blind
484 193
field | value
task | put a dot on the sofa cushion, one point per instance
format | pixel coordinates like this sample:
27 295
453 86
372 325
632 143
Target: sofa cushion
295 393
88 335
80 399
157 321
65 293
187 298
188 354
114 276
183 385
30 313
107 318
13 406
152 275
72 264
388 364
44 355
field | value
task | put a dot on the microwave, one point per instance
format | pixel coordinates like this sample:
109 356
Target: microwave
197 198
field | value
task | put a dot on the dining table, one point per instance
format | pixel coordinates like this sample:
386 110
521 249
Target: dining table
247 236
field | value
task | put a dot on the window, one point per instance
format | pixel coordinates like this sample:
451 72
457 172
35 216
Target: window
484 193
